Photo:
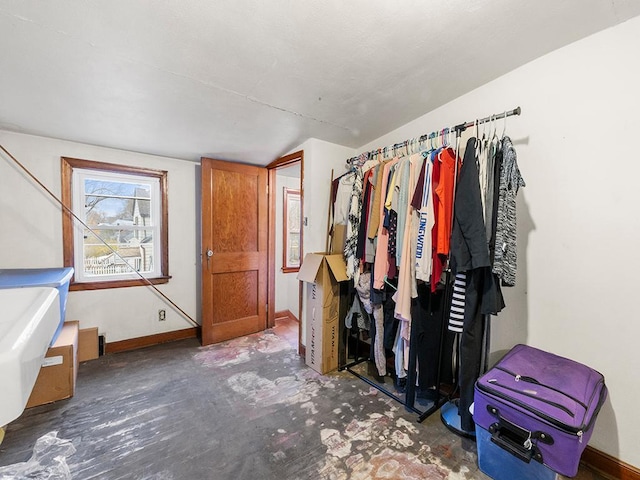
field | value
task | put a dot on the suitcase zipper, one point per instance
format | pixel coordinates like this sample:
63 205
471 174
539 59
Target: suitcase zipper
549 402
578 431
527 379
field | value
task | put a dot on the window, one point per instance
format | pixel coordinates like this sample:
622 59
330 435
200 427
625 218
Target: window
126 208
291 238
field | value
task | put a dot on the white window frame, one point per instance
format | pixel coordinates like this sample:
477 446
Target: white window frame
74 174
79 195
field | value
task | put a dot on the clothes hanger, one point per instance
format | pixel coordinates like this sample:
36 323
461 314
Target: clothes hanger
492 129
504 126
386 281
477 135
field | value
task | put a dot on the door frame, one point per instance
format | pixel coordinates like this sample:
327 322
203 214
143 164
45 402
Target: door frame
286 161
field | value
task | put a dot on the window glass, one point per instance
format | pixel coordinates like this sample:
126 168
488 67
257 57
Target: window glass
122 238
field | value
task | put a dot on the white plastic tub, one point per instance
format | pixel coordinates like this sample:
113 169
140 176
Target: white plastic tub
29 318
58 278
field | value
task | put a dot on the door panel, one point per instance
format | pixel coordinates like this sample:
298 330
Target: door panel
234 230
236 227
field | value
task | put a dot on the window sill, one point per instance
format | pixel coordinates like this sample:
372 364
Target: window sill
117 284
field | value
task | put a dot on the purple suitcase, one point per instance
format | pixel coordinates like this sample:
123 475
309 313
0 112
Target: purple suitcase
540 407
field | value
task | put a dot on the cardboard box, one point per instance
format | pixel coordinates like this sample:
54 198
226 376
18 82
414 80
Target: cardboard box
87 344
322 273
338 238
57 377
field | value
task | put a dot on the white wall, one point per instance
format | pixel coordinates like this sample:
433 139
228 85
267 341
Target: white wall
287 292
578 222
320 158
31 235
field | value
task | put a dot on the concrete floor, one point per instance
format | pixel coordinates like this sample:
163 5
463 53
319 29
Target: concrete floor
244 409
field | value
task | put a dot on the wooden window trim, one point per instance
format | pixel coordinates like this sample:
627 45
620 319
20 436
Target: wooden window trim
67 165
285 230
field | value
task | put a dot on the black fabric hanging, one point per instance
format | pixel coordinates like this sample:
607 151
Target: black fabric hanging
470 254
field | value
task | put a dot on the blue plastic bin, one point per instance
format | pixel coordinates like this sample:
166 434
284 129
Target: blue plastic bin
58 278
502 465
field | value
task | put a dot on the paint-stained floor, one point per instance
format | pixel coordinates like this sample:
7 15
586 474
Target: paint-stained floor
245 409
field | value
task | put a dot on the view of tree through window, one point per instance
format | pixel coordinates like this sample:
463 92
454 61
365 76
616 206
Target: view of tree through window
126 208
120 213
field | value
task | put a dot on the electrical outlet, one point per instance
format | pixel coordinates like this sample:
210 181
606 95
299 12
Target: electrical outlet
162 315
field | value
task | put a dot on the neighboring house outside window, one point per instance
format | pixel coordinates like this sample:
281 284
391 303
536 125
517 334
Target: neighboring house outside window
126 207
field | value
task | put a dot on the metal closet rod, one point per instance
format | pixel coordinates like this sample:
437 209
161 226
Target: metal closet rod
497 116
458 129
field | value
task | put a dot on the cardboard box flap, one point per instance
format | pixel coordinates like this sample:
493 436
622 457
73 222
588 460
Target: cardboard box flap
338 267
309 268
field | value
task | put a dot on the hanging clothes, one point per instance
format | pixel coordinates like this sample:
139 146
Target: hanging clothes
407 288
357 312
445 195
353 225
427 313
490 187
353 222
406 277
470 255
391 224
443 181
411 235
456 316
423 202
342 198
381 262
376 211
363 289
365 212
469 249
399 202
504 264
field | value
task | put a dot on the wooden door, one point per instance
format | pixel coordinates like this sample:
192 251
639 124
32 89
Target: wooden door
234 250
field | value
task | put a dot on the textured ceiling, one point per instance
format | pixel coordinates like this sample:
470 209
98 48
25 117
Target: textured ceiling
248 80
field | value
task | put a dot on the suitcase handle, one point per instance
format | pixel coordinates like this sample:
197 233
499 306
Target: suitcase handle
514 439
505 439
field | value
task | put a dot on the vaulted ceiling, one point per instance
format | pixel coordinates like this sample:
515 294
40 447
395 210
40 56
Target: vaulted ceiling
248 80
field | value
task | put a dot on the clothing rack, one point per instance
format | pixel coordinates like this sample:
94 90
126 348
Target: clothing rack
408 147
409 399
416 144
